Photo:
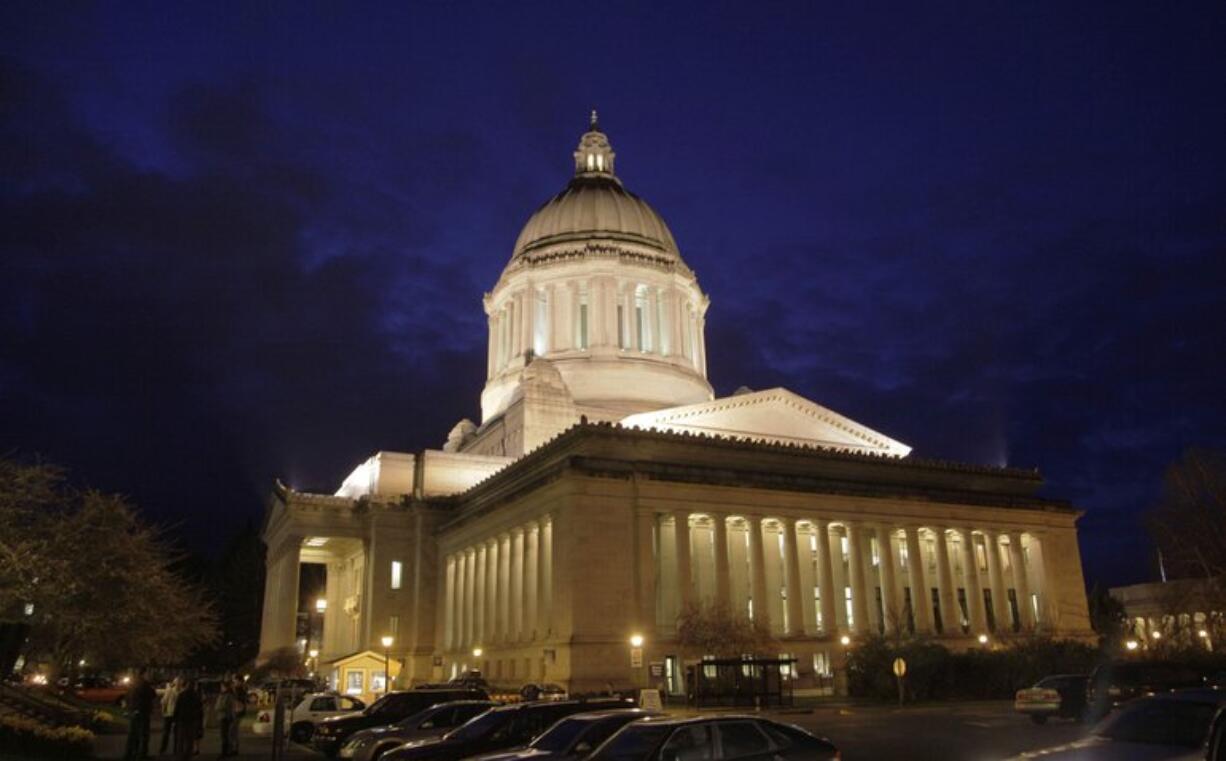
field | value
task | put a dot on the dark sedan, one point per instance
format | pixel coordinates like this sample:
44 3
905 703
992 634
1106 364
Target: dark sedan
573 737
745 738
498 729
370 744
331 734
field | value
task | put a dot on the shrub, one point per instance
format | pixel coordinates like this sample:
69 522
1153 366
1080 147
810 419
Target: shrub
935 673
25 737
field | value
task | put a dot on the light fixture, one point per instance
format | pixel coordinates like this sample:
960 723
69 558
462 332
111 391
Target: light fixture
636 640
983 639
1203 634
1132 644
387 641
314 653
477 652
845 640
321 604
1156 635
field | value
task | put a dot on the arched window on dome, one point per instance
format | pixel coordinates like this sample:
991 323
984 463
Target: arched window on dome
599 162
591 162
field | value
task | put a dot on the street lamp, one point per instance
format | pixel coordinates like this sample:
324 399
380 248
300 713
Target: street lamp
1157 635
983 639
321 604
636 640
477 652
1132 644
387 663
844 640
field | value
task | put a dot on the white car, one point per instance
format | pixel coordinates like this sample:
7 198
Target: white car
300 723
1172 726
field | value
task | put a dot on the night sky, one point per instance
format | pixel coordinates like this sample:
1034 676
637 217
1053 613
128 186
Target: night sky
242 241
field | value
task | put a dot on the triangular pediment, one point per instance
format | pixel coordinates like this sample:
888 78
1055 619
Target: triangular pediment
775 415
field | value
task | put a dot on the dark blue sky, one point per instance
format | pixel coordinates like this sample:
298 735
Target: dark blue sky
246 241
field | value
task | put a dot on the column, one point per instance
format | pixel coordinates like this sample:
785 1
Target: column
951 617
1021 585
890 604
544 593
531 569
517 584
470 596
504 588
459 599
921 596
647 565
479 631
757 561
449 637
723 575
491 591
685 580
796 610
996 580
825 577
491 347
974 588
855 563
841 581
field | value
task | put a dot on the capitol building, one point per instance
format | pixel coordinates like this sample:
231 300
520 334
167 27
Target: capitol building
606 489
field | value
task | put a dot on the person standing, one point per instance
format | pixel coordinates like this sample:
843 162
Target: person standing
140 700
169 696
189 720
227 718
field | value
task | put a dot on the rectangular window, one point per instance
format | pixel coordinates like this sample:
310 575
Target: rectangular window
875 551
936 611
377 682
851 618
393 625
1034 606
1014 613
902 555
582 338
396 570
906 601
981 555
353 681
966 619
843 548
638 327
621 326
989 609
817 607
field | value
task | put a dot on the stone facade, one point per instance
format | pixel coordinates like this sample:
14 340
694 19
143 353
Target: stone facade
606 490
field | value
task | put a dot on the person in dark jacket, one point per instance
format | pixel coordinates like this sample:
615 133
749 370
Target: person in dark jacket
189 721
140 700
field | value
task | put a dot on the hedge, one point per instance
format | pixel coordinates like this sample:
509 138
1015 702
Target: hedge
29 738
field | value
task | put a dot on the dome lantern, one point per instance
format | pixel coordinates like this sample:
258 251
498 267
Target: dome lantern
594 157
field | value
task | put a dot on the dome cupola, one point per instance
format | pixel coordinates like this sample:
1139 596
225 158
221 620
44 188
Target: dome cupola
596 286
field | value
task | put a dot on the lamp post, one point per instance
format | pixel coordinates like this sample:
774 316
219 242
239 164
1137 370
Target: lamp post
387 663
314 661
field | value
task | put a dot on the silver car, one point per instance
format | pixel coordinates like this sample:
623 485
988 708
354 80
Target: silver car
370 744
1172 726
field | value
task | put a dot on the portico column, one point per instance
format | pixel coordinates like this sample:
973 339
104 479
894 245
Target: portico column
757 561
840 578
723 577
996 580
974 587
855 563
517 584
1021 585
648 566
685 573
545 580
825 577
450 605
479 632
470 589
891 608
491 591
504 588
796 609
531 569
921 598
950 619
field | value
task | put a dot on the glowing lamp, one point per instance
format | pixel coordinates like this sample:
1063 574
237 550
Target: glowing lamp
321 605
314 653
387 641
1157 635
845 640
1132 644
636 640
983 639
1203 634
477 652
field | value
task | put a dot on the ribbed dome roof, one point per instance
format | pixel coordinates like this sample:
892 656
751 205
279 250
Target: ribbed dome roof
595 205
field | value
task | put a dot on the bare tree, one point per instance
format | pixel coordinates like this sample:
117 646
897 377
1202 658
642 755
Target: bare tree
1189 523
716 630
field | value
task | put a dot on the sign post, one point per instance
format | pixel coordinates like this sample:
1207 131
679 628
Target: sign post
900 670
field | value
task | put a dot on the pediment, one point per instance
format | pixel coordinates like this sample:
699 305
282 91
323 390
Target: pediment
775 415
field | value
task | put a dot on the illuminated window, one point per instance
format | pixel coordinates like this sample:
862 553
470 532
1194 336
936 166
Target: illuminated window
875 551
844 547
591 162
599 162
396 570
817 606
902 555
581 339
851 618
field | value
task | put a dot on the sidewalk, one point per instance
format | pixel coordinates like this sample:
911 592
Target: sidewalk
251 746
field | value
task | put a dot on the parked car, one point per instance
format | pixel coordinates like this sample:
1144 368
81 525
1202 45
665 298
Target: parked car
573 737
100 689
537 691
314 707
499 728
1172 726
1118 682
370 744
724 737
1061 695
331 734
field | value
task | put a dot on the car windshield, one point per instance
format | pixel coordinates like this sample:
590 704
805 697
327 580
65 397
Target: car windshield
411 722
385 704
559 737
480 726
632 743
1182 723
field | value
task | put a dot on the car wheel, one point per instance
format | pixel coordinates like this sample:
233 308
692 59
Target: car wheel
1038 718
301 732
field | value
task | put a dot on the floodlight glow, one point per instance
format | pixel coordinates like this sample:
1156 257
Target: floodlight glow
983 639
387 641
1132 644
636 640
845 640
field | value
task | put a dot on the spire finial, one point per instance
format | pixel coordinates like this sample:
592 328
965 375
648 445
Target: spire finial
595 121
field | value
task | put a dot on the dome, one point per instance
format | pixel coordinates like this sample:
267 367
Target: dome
595 205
